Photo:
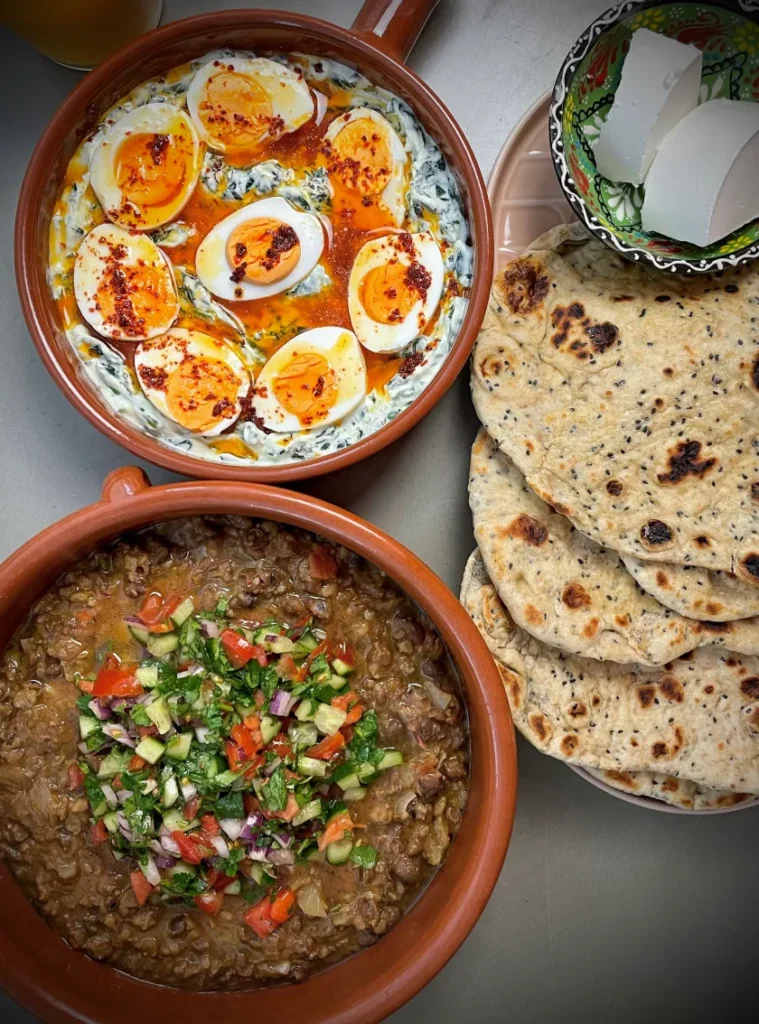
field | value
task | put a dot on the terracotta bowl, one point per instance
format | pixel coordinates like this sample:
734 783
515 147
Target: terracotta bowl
39 970
384 32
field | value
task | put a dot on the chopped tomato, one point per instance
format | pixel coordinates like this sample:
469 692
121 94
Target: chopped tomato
170 605
250 803
345 653
322 564
249 742
252 722
210 825
233 753
281 745
259 918
319 649
289 670
260 698
347 732
117 784
99 832
283 906
116 682
191 808
193 848
252 766
147 730
328 747
141 887
239 650
151 610
348 702
291 809
137 763
76 776
353 715
336 829
86 685
210 902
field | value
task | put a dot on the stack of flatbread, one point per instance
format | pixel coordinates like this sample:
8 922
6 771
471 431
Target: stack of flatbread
615 494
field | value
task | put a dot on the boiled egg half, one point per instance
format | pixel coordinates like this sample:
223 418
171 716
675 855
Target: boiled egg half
145 168
366 157
394 289
237 103
124 284
312 381
264 248
195 380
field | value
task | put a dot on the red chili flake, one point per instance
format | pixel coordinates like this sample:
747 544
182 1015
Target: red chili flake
222 406
410 363
406 242
157 147
238 273
240 250
153 377
418 278
249 413
367 201
319 387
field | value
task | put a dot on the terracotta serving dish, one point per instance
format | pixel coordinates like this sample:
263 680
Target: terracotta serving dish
382 36
43 973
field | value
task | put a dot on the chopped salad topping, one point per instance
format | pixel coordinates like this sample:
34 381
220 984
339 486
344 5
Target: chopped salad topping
219 756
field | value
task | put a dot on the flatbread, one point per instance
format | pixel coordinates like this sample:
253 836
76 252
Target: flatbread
698 593
698 719
669 790
629 399
568 591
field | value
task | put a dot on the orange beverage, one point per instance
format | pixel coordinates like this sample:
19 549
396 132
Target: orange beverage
80 33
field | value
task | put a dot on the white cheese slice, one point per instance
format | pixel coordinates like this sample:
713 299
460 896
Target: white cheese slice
659 86
704 181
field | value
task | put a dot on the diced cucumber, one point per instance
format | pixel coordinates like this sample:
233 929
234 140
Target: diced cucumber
214 766
244 711
338 682
339 852
176 822
87 725
315 855
305 734
282 645
270 726
147 676
140 633
310 810
181 614
111 821
311 766
366 771
345 778
308 642
178 746
306 710
355 793
260 638
328 719
234 888
181 869
342 667
113 763
162 645
99 809
227 778
150 749
170 793
160 714
391 759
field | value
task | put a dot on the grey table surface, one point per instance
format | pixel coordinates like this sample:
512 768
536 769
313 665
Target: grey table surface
603 911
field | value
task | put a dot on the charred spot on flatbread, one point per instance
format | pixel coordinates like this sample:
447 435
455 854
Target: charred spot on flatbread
524 527
750 687
614 487
576 334
672 689
655 533
577 709
492 366
591 628
513 685
749 567
646 695
574 596
569 744
669 750
540 726
662 579
751 711
684 460
622 778
715 627
524 284
755 373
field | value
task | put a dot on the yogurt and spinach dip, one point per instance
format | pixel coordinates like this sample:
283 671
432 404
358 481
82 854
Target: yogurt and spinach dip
260 258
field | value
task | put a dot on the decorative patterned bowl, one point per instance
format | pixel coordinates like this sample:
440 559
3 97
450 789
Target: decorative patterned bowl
728 33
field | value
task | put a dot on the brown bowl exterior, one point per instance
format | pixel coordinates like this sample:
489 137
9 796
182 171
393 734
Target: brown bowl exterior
58 984
157 52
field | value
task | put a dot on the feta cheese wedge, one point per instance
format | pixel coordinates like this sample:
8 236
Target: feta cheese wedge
659 86
704 181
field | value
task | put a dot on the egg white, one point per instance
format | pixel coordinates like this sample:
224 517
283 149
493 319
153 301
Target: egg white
288 93
342 352
169 351
393 194
379 337
94 260
152 119
214 269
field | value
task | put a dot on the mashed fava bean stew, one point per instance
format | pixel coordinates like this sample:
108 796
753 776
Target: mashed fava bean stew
229 753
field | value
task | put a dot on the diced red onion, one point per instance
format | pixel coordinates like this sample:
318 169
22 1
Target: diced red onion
439 697
124 795
99 710
188 790
210 628
164 862
282 703
284 839
319 634
156 847
150 786
118 733
232 826
146 698
272 766
82 747
280 857
201 733
170 846
324 789
255 819
110 797
219 844
150 871
124 828
191 670
133 620
258 853
321 105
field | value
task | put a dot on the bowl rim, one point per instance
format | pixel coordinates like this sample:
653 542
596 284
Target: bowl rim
43 973
674 264
32 290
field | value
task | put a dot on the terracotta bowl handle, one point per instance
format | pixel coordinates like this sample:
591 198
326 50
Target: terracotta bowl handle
393 25
124 482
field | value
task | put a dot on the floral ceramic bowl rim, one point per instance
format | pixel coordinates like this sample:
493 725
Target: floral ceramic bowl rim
573 60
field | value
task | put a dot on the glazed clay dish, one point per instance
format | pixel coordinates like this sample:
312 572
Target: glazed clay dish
264 296
71 586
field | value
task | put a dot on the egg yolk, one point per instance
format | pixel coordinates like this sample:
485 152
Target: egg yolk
200 392
151 170
236 109
387 294
135 299
362 159
263 250
306 387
